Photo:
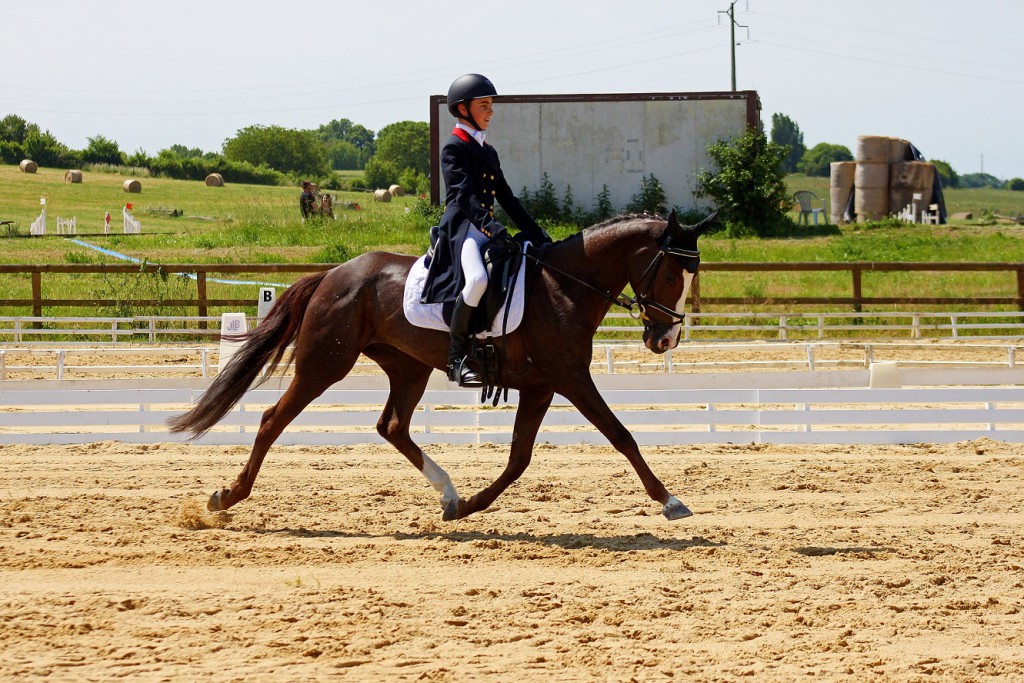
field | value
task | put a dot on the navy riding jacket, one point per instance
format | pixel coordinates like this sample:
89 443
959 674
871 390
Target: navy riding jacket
474 181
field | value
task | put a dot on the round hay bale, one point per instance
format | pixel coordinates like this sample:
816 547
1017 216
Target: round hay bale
914 175
873 149
381 196
871 204
871 176
132 186
28 166
899 150
73 176
215 180
900 198
841 174
397 191
837 200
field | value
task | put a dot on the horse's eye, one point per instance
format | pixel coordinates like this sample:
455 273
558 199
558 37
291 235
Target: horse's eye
671 278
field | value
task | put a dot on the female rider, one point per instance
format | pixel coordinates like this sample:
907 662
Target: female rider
474 181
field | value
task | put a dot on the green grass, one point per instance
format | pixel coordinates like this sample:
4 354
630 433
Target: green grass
261 224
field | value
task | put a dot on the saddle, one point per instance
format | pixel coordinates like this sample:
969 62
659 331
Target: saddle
502 259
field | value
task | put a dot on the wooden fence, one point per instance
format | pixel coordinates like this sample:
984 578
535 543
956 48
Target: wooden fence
857 300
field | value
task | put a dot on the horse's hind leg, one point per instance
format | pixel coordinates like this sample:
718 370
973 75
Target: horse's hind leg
533 405
307 384
408 379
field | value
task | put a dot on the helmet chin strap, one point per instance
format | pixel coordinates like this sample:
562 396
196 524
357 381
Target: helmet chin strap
469 117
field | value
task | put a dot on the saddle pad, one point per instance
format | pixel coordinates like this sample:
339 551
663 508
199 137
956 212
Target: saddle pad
431 317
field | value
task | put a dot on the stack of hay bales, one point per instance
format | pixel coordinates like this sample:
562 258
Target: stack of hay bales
132 186
215 180
871 178
72 176
28 166
381 196
840 186
883 181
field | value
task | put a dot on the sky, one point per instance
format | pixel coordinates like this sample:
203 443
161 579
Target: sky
947 75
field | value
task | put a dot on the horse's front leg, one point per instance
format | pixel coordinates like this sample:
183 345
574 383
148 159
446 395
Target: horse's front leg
587 399
533 404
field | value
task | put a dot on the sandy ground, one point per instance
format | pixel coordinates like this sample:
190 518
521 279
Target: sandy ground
831 563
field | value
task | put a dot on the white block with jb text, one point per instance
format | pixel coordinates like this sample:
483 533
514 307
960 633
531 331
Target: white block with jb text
230 324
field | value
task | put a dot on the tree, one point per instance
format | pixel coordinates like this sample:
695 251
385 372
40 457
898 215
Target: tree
285 149
946 172
749 187
380 173
46 150
980 180
100 150
13 128
344 156
816 160
1016 184
405 144
786 133
344 131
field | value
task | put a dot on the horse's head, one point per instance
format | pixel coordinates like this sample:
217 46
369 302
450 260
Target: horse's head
664 284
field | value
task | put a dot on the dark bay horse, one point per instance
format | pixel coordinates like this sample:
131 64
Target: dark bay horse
356 308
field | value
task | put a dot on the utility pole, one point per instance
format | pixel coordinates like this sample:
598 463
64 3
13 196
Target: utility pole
731 12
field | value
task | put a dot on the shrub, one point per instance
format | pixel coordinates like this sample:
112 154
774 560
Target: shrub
1017 185
749 187
380 174
650 199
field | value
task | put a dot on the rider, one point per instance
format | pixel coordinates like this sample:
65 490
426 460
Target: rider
473 177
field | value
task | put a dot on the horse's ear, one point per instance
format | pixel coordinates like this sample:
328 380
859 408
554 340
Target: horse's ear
706 224
673 220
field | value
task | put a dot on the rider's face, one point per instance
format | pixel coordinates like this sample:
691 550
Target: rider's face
482 109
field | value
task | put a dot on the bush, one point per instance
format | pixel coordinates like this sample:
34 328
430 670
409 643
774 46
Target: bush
816 161
749 187
1017 185
650 199
380 174
11 152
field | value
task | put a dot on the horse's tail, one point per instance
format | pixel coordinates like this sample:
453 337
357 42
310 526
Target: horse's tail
264 346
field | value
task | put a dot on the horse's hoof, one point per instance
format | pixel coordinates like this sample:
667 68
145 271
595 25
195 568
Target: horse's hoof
674 509
451 510
215 504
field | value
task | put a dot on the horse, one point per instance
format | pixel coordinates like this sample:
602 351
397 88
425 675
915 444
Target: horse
356 307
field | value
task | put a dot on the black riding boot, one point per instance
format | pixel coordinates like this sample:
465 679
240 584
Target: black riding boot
458 366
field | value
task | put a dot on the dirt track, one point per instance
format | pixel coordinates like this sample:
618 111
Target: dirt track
894 563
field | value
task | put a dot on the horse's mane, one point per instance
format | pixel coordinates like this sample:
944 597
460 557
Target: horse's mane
612 222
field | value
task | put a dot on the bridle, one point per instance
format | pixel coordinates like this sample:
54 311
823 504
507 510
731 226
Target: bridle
642 302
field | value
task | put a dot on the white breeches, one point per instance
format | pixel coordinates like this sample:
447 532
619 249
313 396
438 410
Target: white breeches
473 267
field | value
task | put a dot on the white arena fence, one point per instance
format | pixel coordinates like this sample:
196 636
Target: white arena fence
669 410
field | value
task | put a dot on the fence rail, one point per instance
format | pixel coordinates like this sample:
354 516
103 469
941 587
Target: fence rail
202 303
655 416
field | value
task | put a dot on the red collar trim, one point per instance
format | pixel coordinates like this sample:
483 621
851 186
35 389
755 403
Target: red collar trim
461 134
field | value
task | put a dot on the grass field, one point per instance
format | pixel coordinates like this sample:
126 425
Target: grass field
261 224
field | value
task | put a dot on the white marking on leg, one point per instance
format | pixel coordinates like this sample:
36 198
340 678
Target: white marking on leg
439 479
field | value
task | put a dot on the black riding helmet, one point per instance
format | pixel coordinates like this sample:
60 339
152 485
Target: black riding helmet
466 89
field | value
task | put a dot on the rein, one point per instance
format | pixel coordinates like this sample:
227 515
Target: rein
642 301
